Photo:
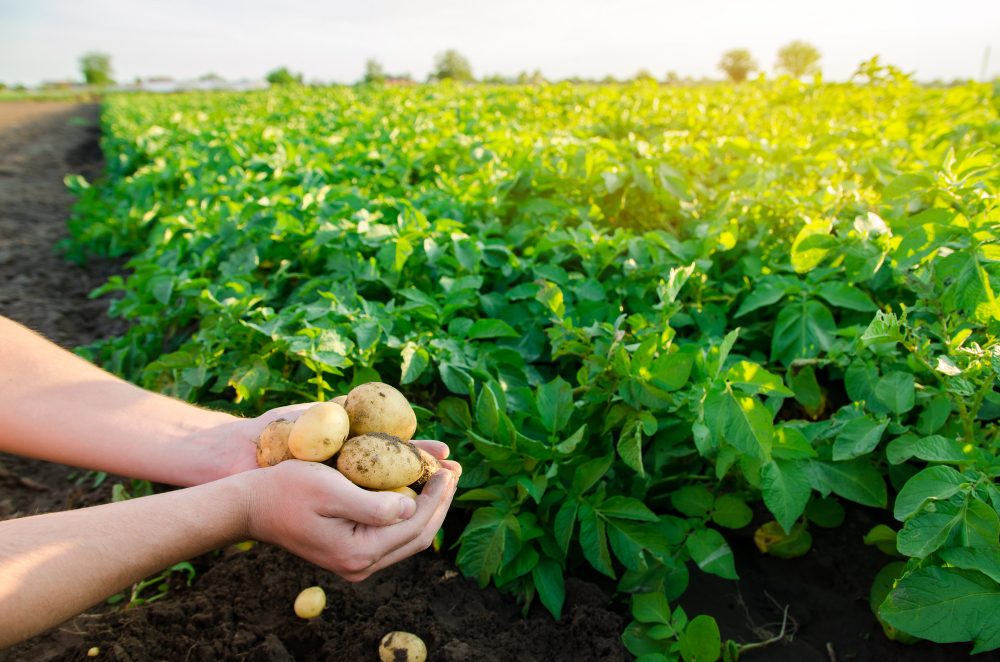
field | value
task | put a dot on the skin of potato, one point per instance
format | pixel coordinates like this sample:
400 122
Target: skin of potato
310 602
340 400
272 446
395 643
380 461
405 490
319 433
378 407
431 465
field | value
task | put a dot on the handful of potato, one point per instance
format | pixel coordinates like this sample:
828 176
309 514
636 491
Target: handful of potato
369 432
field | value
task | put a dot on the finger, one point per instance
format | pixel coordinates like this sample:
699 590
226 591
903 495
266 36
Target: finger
422 541
439 489
438 449
368 507
452 466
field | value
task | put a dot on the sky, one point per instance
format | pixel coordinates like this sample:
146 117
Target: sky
329 41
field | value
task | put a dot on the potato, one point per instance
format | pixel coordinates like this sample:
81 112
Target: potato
402 647
319 432
272 444
340 400
405 490
94 652
381 461
378 407
310 602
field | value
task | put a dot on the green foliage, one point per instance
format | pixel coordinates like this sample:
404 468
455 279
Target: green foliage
562 302
283 76
96 68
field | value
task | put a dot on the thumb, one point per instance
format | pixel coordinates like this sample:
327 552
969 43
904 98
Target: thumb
377 508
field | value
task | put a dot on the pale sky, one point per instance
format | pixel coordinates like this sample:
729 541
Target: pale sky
330 41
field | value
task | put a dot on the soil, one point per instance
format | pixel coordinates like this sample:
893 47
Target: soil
239 605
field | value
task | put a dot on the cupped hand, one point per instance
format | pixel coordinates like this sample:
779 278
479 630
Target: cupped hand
313 511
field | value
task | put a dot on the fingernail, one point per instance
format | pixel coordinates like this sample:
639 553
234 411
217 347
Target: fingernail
407 507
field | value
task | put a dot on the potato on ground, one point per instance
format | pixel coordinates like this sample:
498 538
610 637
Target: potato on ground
402 647
272 445
381 461
310 602
319 432
378 407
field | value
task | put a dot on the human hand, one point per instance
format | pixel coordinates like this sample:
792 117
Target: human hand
240 452
313 511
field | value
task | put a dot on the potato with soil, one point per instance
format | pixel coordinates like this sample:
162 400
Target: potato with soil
378 407
380 461
272 444
402 647
319 432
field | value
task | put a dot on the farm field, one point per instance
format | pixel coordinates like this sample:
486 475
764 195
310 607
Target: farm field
714 358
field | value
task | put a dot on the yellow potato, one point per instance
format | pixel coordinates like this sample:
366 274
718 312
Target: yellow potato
310 602
431 465
340 400
319 432
272 445
402 647
94 652
381 461
378 407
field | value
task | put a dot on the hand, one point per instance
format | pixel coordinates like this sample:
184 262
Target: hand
240 453
313 511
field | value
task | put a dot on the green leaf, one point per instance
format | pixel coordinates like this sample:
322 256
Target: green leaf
630 446
741 420
860 380
896 391
844 295
711 552
626 508
548 579
786 491
933 483
692 500
483 542
766 293
594 541
827 512
855 480
805 387
858 437
947 605
700 641
985 560
588 473
491 328
651 608
731 512
752 379
811 245
725 348
936 448
884 538
885 328
959 521
551 297
555 404
487 414
415 361
790 444
804 329
564 523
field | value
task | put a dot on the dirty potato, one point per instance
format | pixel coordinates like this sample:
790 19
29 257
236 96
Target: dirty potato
272 444
378 407
381 461
402 647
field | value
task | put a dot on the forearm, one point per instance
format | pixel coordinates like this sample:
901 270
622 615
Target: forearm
54 566
58 407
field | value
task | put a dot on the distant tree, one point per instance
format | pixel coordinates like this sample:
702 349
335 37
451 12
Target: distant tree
20 88
673 78
537 78
609 80
451 64
643 74
374 73
210 76
522 78
798 59
3 86
494 79
96 68
738 64
283 76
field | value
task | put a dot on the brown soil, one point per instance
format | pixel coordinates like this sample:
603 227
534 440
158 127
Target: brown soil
239 606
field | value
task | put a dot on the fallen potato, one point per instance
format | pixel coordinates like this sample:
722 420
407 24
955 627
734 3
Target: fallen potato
310 602
319 432
380 461
272 444
402 647
378 407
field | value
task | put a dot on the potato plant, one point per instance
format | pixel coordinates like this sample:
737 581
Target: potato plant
633 312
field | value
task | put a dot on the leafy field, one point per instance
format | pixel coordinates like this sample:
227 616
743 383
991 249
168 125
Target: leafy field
633 312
